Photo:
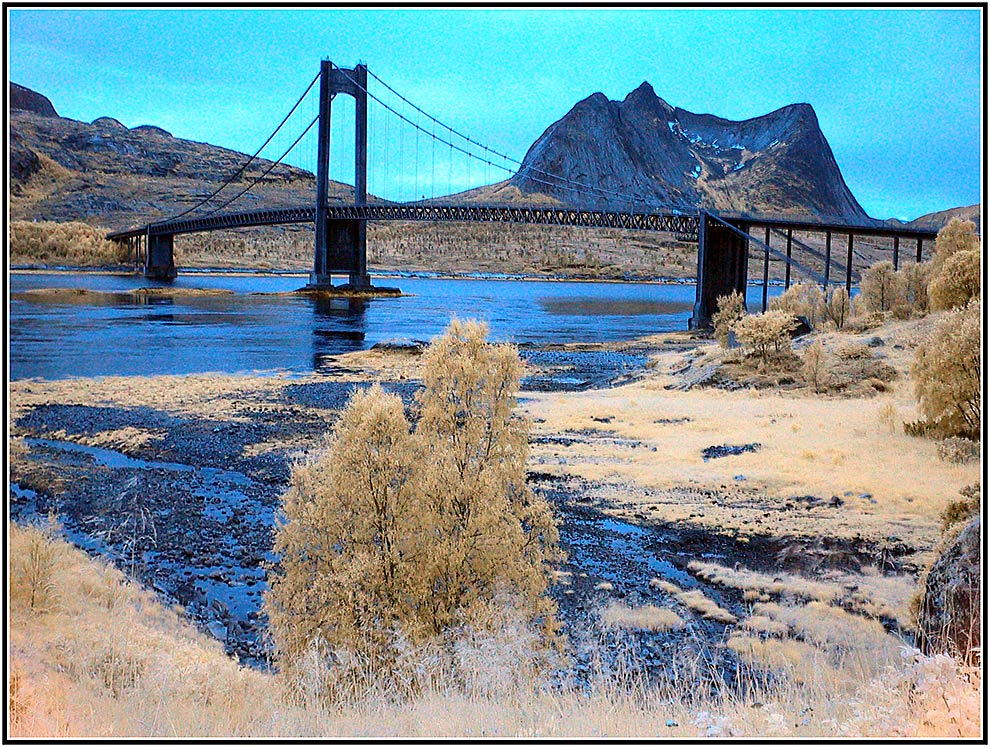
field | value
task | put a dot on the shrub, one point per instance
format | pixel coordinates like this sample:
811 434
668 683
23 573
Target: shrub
956 236
62 243
814 365
765 334
855 351
957 281
35 558
963 509
803 299
838 308
946 372
912 280
396 537
958 450
877 288
731 308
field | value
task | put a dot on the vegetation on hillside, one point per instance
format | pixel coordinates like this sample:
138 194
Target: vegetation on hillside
62 244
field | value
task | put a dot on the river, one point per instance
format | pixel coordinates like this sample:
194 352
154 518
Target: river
54 337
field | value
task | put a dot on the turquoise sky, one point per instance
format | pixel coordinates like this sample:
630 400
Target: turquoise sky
897 91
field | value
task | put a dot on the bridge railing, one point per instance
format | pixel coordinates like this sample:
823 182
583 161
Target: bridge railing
669 221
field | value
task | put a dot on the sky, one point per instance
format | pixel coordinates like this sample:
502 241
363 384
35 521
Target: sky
897 92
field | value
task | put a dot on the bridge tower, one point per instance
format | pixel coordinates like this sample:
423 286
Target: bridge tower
723 259
341 245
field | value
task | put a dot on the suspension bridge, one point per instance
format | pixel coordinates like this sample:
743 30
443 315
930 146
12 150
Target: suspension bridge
406 164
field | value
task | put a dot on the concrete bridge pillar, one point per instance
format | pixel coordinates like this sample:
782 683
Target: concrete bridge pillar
341 246
160 257
723 259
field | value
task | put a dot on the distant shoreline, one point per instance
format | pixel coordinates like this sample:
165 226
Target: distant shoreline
389 274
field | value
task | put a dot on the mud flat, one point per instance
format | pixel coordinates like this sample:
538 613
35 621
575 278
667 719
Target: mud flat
87 296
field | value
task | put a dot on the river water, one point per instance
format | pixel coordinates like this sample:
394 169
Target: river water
57 337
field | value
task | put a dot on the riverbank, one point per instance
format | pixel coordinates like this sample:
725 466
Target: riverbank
774 536
384 273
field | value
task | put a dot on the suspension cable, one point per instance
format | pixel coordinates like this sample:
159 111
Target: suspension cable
526 174
267 171
251 159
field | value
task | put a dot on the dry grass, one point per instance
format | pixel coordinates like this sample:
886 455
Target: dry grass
867 591
697 601
648 617
61 243
889 482
213 395
110 662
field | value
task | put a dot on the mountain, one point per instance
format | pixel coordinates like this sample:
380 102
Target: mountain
113 176
939 219
107 174
776 163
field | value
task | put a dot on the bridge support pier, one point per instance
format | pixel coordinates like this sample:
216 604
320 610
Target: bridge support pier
159 261
723 259
342 245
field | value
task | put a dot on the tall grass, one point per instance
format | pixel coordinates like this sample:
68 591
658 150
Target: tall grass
110 661
45 242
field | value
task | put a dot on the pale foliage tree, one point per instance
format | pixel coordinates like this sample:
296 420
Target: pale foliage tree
878 288
394 534
957 281
956 236
731 308
765 335
838 308
912 280
350 539
803 299
946 372
488 526
814 365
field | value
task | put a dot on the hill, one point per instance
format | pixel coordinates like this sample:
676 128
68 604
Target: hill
939 219
109 175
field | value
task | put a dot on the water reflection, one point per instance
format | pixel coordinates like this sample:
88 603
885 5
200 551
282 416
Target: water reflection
64 325
339 325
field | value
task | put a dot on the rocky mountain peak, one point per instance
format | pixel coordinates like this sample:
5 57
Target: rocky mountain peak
642 146
643 98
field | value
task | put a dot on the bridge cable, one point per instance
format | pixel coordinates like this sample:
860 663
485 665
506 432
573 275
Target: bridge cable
249 161
580 189
267 171
506 157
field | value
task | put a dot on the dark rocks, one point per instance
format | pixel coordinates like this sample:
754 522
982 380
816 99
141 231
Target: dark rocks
717 452
401 345
152 130
108 122
802 328
949 618
24 162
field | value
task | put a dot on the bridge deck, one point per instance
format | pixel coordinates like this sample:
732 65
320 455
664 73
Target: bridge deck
669 221
662 221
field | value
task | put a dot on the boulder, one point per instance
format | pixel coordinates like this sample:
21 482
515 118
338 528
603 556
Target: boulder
949 619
